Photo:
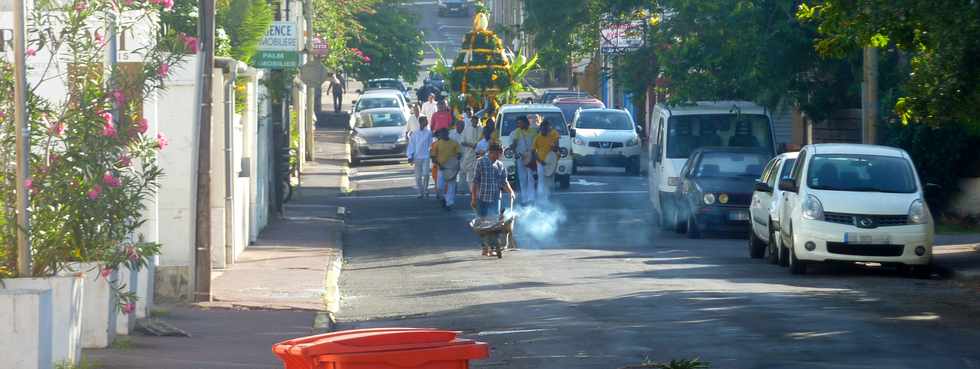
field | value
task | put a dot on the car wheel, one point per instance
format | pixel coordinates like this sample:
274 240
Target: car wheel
796 266
772 249
756 248
693 232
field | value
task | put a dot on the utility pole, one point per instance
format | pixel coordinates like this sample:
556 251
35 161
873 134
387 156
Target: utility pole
202 230
869 96
310 89
23 142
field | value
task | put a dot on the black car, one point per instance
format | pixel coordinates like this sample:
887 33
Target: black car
716 188
455 7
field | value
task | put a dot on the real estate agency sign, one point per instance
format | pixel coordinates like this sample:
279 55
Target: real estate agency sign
280 47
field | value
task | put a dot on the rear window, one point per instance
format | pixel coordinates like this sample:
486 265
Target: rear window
395 85
380 119
509 122
861 173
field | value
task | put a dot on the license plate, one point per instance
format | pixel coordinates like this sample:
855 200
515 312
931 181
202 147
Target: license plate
866 238
382 147
738 215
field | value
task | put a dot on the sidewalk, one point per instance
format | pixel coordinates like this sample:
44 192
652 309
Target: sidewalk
958 256
283 286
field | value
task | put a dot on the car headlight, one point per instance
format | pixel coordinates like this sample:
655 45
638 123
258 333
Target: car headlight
723 198
918 212
563 151
509 154
578 141
633 142
708 198
402 139
812 208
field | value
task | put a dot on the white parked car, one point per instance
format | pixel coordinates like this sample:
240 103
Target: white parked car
848 202
764 208
606 137
507 123
377 99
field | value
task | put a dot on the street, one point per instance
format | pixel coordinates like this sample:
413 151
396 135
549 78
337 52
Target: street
607 289
596 284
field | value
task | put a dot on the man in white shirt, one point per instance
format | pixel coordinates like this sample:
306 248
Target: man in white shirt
413 121
456 134
471 137
419 144
429 107
522 142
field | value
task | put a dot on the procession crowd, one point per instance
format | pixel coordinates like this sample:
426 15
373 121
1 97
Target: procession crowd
468 150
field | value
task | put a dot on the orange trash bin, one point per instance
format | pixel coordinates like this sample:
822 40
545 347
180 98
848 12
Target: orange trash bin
381 348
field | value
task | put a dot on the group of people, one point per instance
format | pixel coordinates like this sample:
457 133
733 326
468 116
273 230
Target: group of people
445 150
448 151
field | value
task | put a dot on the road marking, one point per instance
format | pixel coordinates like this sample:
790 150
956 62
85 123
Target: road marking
406 196
582 182
385 179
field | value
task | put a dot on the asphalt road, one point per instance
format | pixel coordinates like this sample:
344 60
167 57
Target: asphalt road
606 289
596 285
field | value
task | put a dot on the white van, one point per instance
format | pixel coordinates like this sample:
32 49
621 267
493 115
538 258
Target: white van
676 131
507 123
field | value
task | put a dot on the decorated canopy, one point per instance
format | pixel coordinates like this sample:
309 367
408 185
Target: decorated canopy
482 67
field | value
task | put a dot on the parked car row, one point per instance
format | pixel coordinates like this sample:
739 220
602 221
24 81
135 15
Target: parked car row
712 169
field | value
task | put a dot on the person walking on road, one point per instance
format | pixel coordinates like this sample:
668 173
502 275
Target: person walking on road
443 118
471 137
413 121
337 87
456 135
522 141
545 148
419 144
491 179
447 155
429 107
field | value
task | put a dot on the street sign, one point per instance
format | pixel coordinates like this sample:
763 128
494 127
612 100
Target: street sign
313 73
276 59
320 47
281 36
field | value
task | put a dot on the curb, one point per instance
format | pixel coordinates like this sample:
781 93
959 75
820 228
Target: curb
345 185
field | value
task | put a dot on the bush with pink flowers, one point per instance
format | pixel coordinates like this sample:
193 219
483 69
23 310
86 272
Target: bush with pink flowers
92 162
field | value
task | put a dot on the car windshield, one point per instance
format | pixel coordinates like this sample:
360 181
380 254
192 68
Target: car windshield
604 120
380 119
509 122
395 85
731 164
569 109
854 172
376 102
687 133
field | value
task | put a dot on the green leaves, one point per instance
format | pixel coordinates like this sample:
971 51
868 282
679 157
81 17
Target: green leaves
246 22
392 40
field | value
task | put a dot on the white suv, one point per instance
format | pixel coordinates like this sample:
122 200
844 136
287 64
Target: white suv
606 137
848 202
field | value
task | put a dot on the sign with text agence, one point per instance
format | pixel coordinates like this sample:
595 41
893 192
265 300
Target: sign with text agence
281 36
276 59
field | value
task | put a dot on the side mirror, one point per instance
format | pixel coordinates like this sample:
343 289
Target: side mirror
788 185
762 187
571 132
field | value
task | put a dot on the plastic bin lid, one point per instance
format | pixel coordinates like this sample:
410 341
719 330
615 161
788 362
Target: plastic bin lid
375 340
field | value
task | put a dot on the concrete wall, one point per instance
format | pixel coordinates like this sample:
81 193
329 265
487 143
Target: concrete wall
25 329
66 314
98 305
174 278
218 254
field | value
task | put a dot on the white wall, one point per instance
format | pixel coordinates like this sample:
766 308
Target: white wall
66 320
177 118
25 326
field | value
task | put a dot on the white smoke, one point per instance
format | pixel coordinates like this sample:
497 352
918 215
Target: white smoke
540 222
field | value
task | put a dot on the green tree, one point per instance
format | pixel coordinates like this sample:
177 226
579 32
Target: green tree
941 40
336 23
245 22
391 41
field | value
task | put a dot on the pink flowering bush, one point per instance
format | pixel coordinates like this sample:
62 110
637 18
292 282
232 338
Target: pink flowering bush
93 162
